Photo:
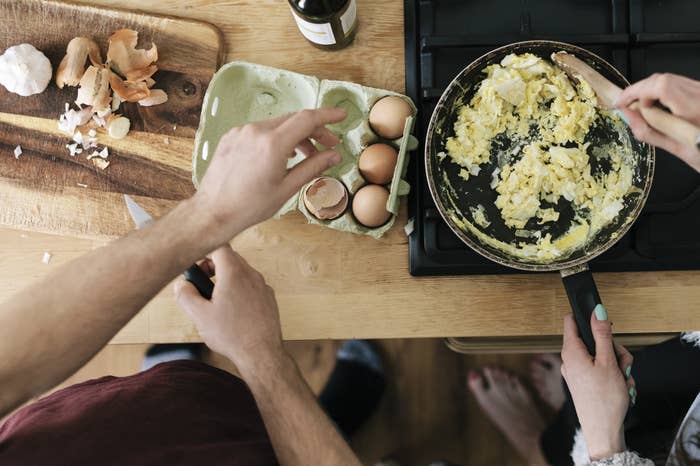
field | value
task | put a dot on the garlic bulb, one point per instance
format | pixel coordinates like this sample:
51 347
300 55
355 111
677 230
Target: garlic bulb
24 70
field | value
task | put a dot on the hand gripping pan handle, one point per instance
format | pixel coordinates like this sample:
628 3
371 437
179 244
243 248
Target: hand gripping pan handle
584 297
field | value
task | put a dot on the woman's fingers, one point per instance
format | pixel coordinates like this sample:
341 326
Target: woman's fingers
647 91
631 385
573 350
602 334
624 359
645 133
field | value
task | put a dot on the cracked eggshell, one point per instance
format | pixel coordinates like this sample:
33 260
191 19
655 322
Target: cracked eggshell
326 198
24 70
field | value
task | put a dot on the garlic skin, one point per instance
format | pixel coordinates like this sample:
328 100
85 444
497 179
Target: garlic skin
72 67
94 90
24 70
157 97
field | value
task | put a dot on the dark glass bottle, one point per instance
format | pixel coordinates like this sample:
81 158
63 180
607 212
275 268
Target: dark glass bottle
327 24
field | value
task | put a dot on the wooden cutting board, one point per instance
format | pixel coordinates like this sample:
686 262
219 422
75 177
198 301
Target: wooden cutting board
44 190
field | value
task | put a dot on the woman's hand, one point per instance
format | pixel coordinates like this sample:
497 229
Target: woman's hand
680 95
600 386
248 180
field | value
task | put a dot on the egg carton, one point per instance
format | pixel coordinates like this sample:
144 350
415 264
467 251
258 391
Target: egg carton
242 92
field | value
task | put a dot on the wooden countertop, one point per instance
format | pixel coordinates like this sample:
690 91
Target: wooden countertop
336 285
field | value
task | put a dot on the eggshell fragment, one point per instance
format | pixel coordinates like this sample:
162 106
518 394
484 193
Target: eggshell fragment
100 163
369 205
326 198
388 116
377 163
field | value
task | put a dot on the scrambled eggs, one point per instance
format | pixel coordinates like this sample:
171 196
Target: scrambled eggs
546 118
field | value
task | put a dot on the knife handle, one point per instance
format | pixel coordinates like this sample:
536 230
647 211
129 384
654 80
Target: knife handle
200 280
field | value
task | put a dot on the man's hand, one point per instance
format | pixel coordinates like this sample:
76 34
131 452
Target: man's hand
242 320
599 386
680 95
248 180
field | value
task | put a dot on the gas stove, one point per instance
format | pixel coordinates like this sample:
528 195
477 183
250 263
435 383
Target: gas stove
639 37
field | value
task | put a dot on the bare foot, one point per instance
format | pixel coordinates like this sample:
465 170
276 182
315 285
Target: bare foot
545 373
508 404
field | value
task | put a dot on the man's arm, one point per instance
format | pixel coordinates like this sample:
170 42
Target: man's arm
242 322
300 431
52 328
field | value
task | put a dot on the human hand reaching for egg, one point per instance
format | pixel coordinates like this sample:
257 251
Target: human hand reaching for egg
248 179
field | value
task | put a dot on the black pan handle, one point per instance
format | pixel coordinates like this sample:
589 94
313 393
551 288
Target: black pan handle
584 297
200 280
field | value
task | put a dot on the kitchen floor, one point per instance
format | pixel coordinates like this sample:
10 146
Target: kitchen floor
427 414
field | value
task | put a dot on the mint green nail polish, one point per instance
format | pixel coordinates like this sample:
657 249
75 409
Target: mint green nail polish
622 117
628 371
633 395
600 312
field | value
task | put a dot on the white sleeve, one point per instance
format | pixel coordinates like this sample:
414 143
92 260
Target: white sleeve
579 455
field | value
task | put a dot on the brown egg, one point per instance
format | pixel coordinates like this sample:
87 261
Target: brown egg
326 198
388 116
369 205
377 163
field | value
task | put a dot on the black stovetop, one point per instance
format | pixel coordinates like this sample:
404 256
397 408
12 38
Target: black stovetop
639 37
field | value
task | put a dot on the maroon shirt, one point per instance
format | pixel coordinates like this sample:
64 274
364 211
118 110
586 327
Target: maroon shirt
178 413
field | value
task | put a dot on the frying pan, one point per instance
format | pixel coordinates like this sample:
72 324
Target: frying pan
454 197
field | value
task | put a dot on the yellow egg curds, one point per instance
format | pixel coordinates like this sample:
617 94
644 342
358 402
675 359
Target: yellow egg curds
533 103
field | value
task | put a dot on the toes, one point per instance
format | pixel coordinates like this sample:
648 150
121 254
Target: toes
514 381
490 374
499 375
544 361
475 382
537 370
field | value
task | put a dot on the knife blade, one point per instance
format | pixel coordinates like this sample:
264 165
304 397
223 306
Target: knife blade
194 274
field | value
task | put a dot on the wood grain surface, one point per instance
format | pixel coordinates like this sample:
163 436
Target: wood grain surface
338 285
42 189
